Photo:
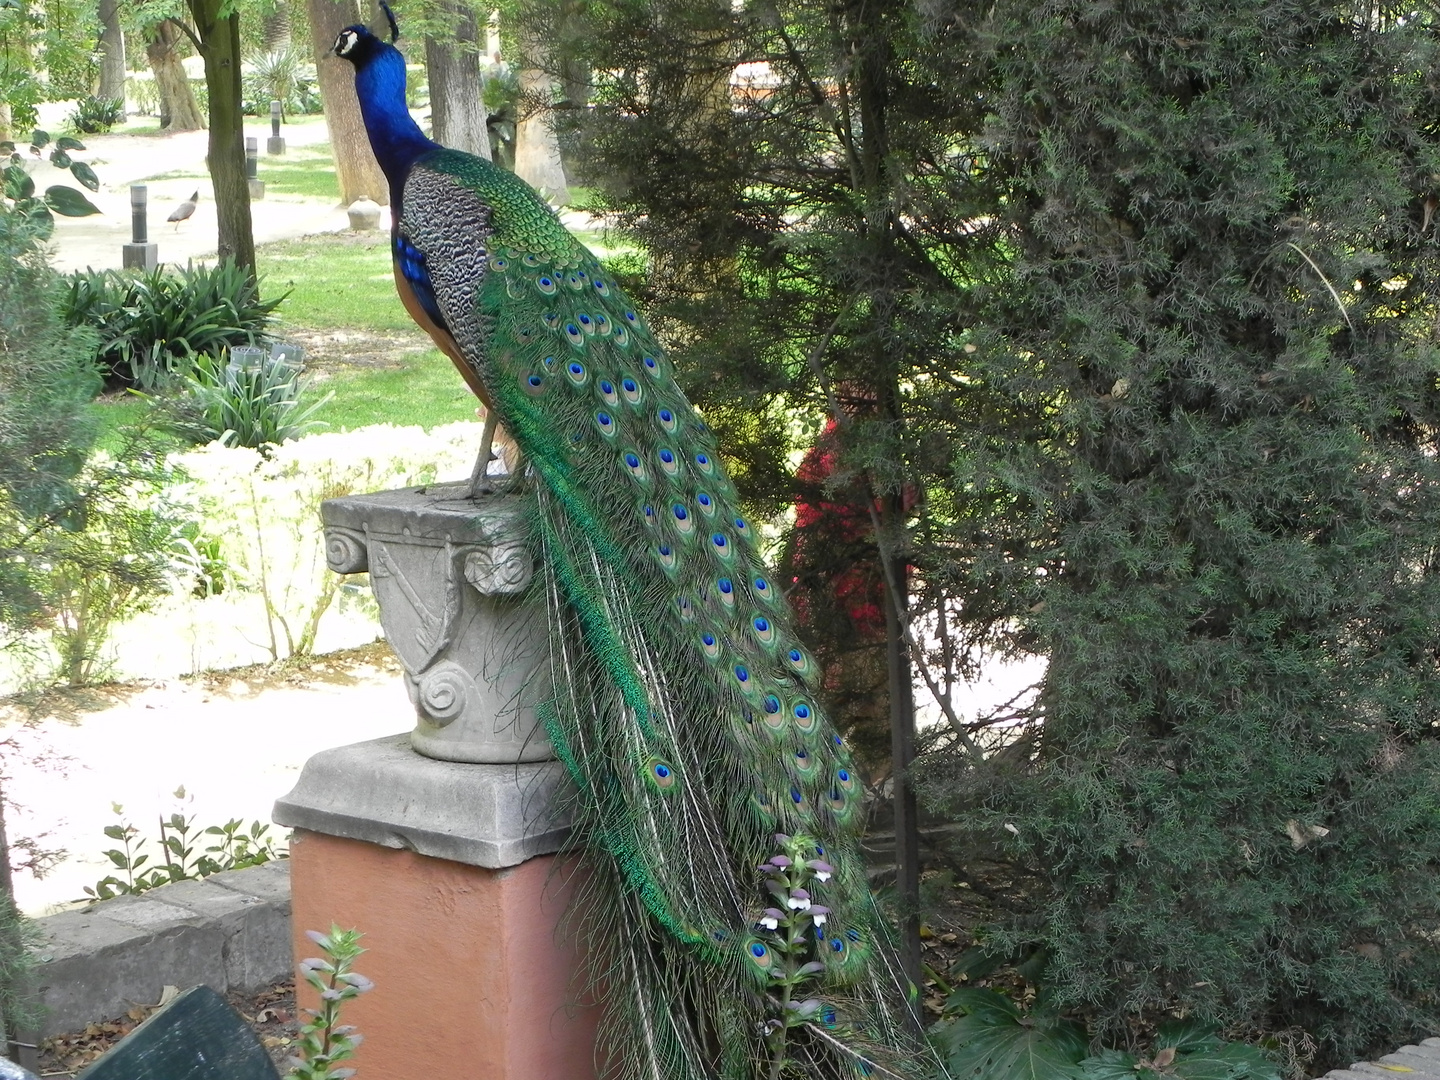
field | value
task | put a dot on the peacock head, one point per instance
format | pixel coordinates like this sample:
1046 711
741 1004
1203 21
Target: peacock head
358 45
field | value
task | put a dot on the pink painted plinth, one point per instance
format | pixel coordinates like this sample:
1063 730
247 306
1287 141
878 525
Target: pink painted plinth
473 981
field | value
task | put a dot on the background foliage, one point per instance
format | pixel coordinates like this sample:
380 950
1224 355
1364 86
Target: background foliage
1126 313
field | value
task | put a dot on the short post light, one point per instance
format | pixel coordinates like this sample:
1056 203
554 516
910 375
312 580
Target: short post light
276 143
252 168
140 252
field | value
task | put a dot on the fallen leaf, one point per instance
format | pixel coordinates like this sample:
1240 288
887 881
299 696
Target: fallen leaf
1300 835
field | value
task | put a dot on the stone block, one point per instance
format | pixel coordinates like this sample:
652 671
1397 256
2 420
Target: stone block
93 967
384 793
230 931
139 256
269 882
256 930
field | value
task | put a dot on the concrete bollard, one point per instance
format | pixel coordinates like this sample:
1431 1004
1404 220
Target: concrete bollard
275 144
364 214
139 253
252 168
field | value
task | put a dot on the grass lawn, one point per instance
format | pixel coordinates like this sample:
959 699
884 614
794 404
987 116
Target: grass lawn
304 170
422 389
335 282
341 291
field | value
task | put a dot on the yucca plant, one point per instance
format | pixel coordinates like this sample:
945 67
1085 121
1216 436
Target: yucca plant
255 406
96 114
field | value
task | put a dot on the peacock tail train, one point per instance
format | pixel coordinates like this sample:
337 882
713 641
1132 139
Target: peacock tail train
683 704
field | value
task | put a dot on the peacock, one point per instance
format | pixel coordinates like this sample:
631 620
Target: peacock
728 917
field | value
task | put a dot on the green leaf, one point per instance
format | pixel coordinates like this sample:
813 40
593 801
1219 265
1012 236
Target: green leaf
984 1005
69 202
39 139
18 183
1186 1036
65 142
1228 1061
1115 1065
85 174
1012 1051
59 158
976 963
1215 1060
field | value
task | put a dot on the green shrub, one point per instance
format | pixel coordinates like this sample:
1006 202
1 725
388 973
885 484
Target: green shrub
153 324
1217 328
231 846
255 406
95 114
45 380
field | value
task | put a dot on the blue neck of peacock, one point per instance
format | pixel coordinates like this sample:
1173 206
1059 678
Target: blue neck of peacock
394 136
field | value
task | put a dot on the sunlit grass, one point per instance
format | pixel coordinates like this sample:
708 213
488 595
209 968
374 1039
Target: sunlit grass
422 389
335 281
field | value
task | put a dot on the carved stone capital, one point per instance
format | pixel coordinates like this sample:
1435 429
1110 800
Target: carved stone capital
450 574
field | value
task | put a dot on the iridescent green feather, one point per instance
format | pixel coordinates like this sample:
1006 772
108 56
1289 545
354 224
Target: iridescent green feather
685 706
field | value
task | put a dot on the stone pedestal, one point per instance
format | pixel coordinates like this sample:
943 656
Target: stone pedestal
257 190
438 845
139 256
275 145
447 869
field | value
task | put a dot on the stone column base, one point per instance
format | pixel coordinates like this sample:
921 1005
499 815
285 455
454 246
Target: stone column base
448 870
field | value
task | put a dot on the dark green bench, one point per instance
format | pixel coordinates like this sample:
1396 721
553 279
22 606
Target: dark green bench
197 1036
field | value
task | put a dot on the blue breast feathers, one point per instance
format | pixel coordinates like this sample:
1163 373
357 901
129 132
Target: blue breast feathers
411 261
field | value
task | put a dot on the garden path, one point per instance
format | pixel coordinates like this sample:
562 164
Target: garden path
235 739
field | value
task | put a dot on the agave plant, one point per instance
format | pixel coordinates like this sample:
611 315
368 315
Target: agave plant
153 324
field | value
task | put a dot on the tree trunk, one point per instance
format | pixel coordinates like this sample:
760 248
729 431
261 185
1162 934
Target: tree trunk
902 740
277 28
355 165
112 53
220 39
178 108
537 151
574 72
457 103
7 121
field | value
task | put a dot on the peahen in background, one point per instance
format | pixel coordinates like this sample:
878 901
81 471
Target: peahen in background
731 928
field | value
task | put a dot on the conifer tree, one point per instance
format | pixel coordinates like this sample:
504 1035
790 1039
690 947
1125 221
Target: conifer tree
1221 320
